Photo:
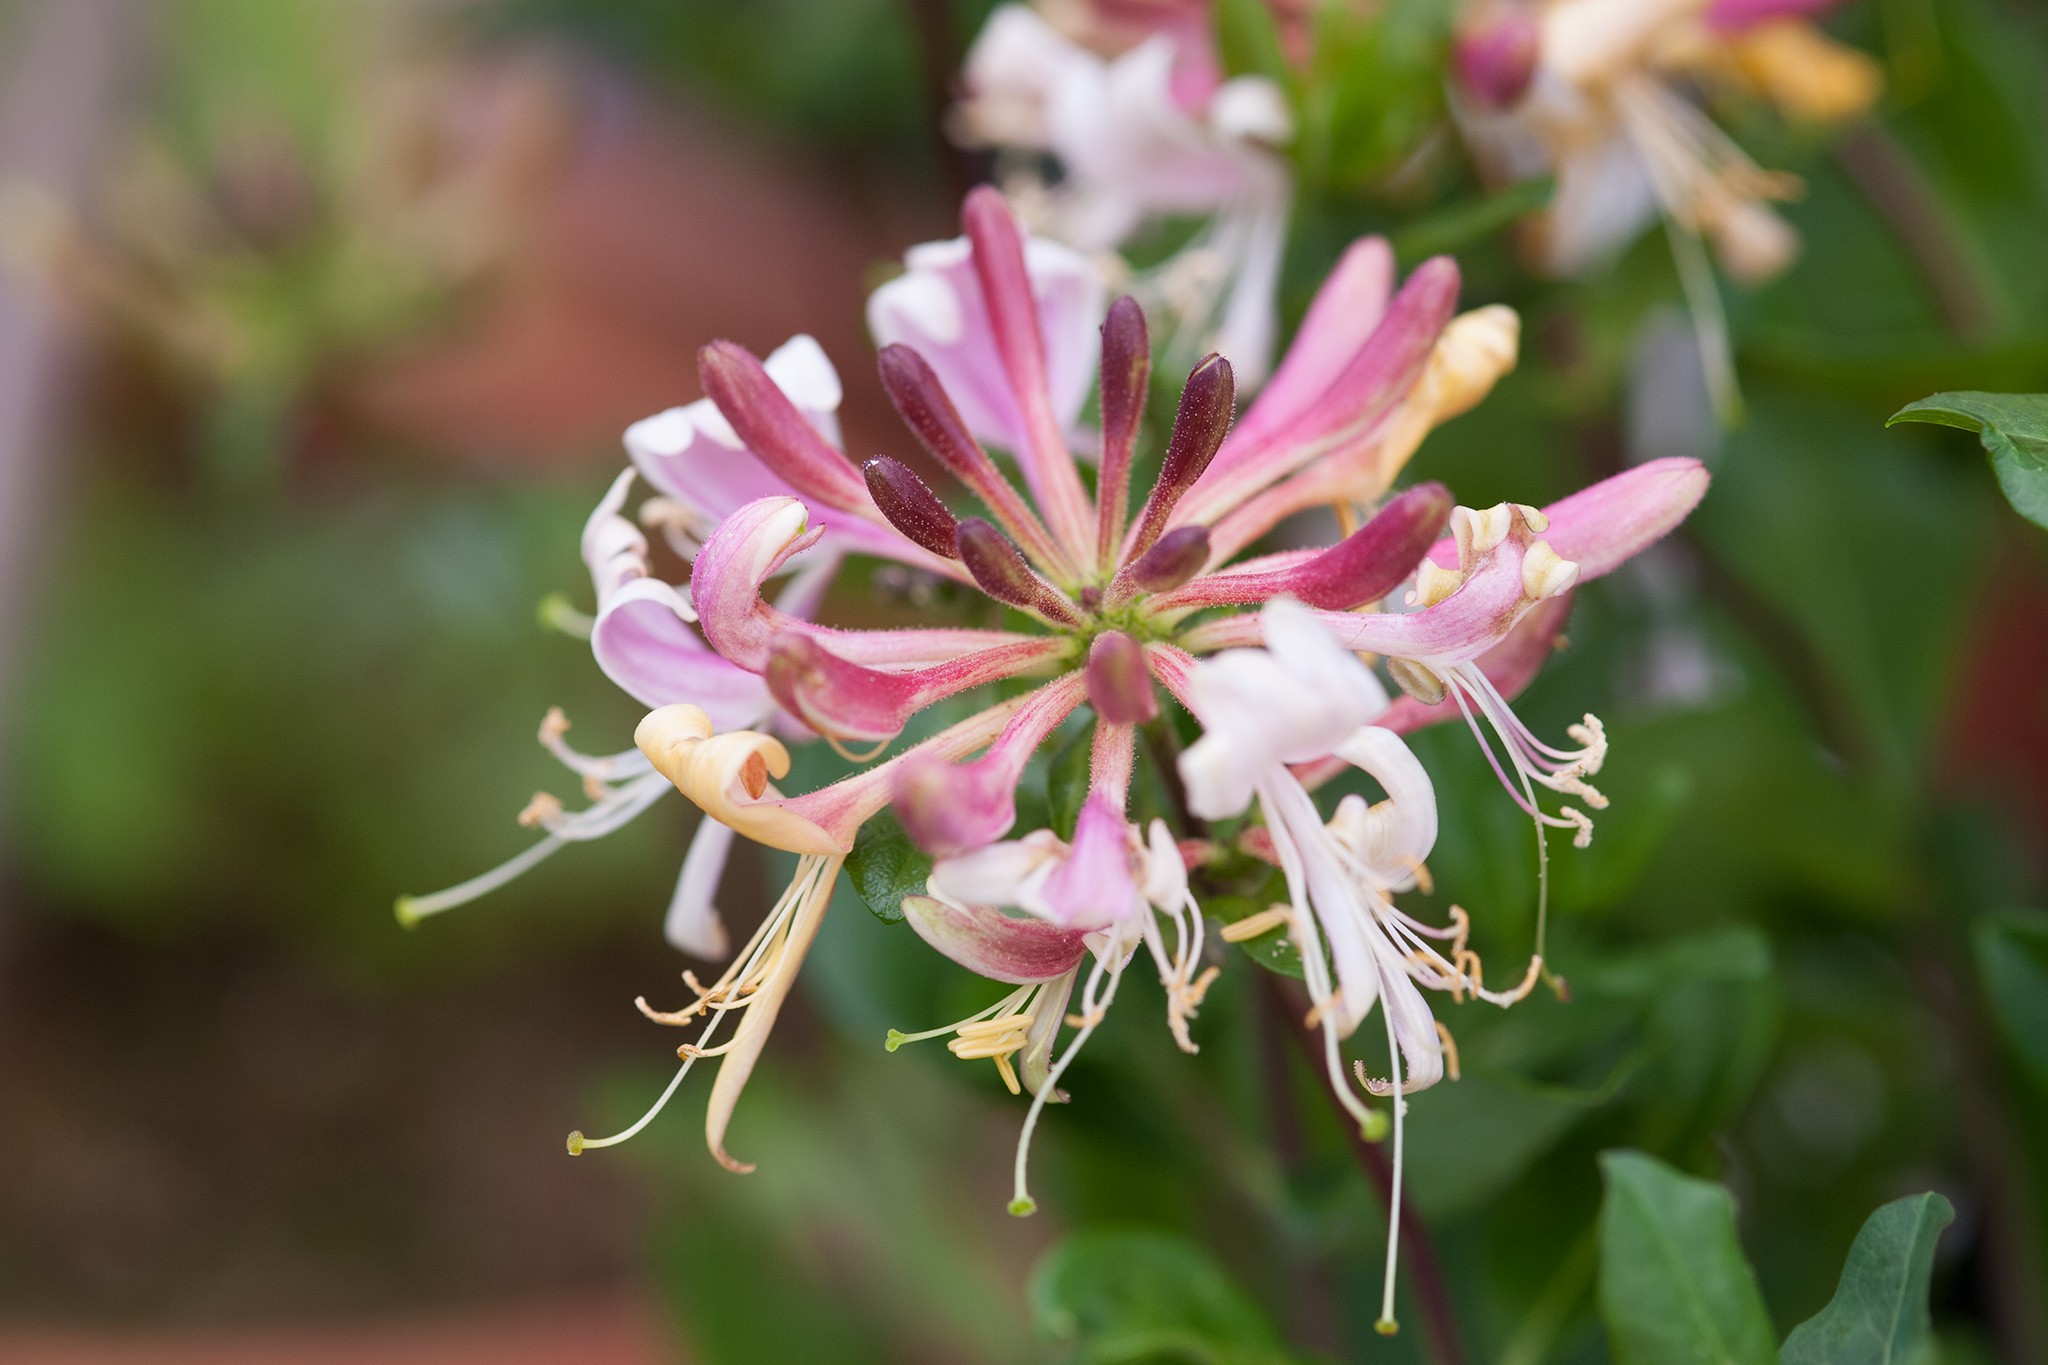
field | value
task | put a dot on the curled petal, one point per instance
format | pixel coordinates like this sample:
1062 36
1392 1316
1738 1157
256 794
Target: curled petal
644 642
1291 702
992 944
1395 835
726 775
1510 666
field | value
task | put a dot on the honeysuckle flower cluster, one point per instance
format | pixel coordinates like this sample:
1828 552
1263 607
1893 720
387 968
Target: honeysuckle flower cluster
1605 95
1131 102
1117 589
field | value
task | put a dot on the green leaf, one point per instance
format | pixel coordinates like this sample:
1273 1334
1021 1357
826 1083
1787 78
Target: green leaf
1129 1295
885 867
2012 956
1878 1315
1066 781
2014 430
1673 1282
1248 40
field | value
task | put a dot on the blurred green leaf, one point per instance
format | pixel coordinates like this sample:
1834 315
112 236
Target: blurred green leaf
1248 41
1878 1315
2012 955
1457 226
1673 1282
1129 1295
885 867
1066 781
2014 430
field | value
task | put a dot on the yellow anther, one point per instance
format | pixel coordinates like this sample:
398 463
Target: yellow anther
1433 583
1546 573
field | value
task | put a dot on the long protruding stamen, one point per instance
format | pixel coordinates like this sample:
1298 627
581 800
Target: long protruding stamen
1387 1326
1126 375
1095 1002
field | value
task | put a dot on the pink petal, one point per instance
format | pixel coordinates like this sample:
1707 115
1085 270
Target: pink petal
1093 889
936 306
949 809
756 543
644 642
1371 384
1347 308
1362 568
1604 525
992 944
1510 666
844 700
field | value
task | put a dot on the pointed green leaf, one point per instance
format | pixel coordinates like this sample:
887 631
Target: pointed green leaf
1674 1286
2014 430
1878 1315
885 866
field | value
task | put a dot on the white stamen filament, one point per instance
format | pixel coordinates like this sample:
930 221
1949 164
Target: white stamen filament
1095 1000
755 966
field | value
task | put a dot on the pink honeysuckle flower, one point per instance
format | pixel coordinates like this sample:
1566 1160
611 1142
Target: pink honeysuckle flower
1148 132
1115 595
1601 95
645 639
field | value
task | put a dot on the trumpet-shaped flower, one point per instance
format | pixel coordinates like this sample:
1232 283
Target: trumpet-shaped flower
1149 131
1113 596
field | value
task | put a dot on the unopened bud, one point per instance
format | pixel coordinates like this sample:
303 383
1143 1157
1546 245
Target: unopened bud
999 568
1120 681
1207 403
1475 350
1496 59
911 506
1176 557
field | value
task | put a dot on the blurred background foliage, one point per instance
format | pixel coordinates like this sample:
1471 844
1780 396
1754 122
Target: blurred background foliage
283 661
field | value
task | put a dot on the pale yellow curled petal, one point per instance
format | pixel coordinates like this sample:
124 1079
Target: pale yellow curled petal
1475 350
726 776
1805 73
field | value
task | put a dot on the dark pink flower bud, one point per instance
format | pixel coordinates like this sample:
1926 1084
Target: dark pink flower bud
1178 556
1496 59
1379 556
1120 681
1207 402
999 567
910 505
1126 375
772 427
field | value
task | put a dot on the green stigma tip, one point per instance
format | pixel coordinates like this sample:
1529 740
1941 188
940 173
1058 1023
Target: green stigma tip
1375 1126
1025 1207
1386 1327
897 1038
402 908
575 1144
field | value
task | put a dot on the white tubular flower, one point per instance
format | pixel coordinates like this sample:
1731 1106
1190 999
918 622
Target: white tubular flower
1145 134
